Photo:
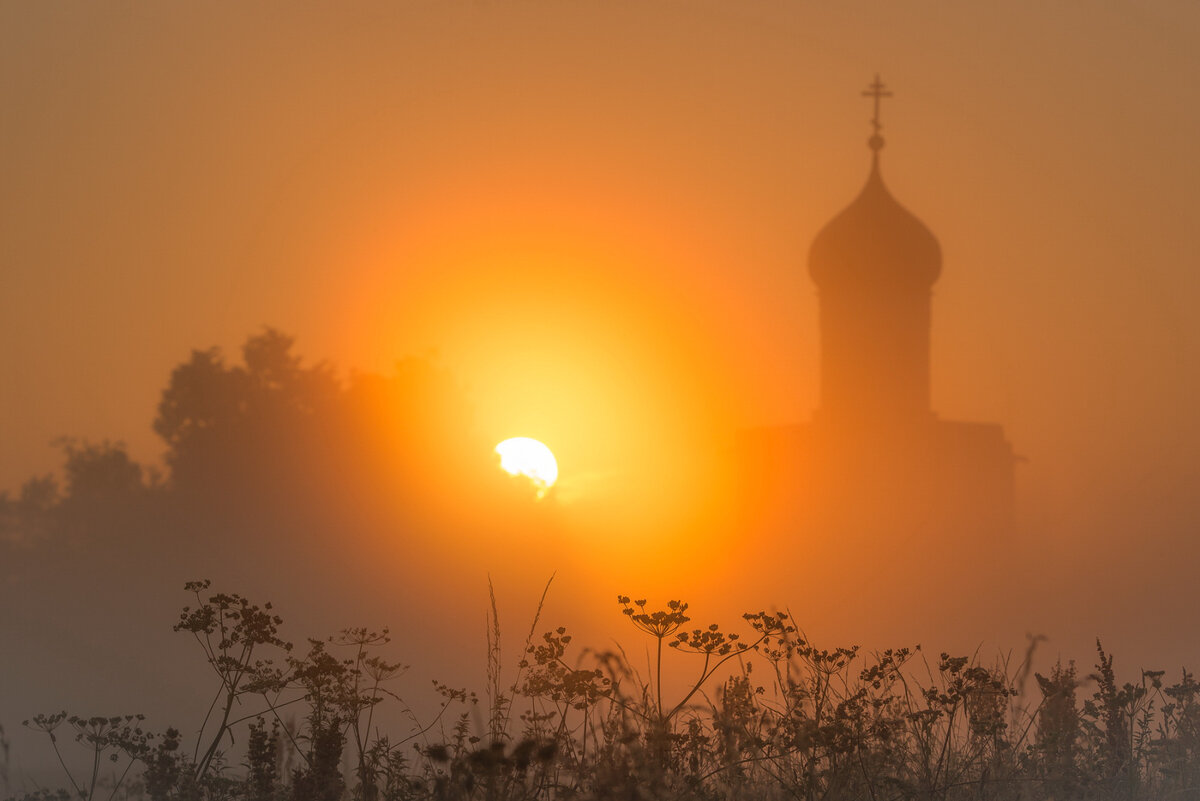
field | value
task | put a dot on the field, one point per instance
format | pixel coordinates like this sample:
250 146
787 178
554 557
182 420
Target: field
762 714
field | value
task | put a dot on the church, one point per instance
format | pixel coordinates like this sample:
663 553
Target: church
876 461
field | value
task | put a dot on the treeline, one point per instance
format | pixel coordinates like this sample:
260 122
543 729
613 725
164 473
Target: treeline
270 437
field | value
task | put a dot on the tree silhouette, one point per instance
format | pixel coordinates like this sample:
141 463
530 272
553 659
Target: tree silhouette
229 426
268 455
100 472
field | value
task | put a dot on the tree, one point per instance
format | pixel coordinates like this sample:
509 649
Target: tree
240 426
103 472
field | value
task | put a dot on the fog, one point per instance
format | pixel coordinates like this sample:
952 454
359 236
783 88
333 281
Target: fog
585 223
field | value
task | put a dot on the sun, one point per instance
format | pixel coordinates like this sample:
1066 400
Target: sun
522 456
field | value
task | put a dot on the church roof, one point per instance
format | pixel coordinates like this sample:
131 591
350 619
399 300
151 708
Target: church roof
875 240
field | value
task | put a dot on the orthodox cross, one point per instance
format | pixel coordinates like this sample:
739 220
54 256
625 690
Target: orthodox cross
877 91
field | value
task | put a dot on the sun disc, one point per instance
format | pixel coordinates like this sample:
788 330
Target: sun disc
524 456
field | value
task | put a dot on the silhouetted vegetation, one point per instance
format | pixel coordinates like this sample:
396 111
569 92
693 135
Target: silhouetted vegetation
272 446
275 447
788 720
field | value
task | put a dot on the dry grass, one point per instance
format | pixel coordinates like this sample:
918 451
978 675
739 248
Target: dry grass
769 716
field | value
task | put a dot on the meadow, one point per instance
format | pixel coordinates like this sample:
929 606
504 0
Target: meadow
760 713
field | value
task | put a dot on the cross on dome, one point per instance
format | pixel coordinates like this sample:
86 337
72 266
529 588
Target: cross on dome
878 91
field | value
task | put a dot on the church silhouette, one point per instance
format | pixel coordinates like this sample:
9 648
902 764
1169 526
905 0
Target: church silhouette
876 461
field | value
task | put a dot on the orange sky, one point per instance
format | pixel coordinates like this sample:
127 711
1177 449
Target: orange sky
598 215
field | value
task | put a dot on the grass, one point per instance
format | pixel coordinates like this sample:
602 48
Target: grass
765 715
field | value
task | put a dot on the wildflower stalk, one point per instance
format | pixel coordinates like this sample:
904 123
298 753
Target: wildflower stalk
229 629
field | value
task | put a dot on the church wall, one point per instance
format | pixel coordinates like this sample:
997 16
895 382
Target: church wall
875 354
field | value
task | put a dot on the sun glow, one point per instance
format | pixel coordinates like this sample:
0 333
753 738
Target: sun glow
522 456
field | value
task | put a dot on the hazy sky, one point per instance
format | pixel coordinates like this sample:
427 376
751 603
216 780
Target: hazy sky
597 215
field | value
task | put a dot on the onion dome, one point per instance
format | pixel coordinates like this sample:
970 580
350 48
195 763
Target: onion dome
875 240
